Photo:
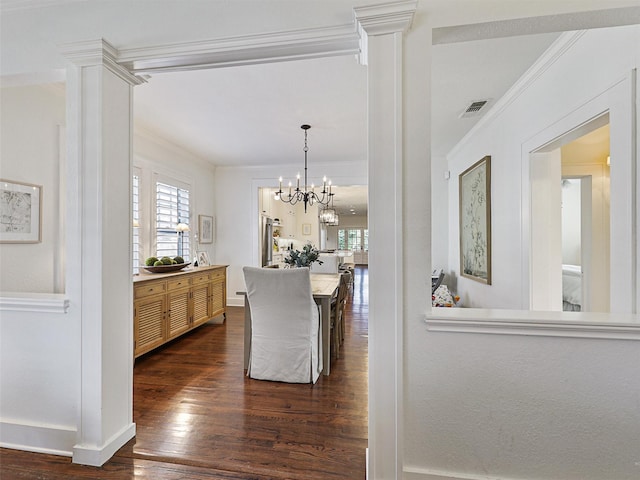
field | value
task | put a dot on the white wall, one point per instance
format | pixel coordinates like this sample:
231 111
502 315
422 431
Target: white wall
440 214
571 220
31 121
515 406
39 407
154 155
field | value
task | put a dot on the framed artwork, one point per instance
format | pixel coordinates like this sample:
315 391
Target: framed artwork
475 221
205 227
203 259
306 229
20 212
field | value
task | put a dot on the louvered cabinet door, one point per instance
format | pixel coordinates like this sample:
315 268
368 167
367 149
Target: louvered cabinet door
218 296
178 313
148 323
200 303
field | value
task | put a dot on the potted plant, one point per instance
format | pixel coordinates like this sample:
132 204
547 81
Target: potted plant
304 258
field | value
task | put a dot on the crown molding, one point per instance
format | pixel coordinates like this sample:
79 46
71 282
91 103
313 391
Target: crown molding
545 324
546 60
242 50
98 52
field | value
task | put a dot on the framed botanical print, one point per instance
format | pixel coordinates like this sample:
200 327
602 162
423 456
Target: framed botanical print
20 212
475 221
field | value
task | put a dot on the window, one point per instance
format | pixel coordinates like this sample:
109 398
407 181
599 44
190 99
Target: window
172 208
136 223
353 239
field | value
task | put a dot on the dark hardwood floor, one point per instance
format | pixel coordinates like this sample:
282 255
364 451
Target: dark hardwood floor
199 417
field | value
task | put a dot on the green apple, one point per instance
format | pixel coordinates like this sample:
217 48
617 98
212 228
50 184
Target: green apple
150 261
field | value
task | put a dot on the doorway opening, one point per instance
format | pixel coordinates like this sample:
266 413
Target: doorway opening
570 226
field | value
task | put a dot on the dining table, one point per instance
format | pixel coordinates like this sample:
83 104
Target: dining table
324 287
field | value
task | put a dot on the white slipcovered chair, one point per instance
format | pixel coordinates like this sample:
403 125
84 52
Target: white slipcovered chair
330 263
286 341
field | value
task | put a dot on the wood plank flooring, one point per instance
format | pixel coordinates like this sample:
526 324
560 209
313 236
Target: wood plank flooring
198 417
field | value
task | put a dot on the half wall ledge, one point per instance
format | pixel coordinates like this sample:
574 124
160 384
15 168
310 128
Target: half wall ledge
34 302
619 326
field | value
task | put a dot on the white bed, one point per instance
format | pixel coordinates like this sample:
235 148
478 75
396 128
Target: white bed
571 288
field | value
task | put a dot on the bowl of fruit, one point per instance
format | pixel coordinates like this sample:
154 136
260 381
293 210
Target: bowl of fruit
164 264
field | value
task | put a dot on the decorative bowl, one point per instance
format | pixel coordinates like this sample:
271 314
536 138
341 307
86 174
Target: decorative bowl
166 268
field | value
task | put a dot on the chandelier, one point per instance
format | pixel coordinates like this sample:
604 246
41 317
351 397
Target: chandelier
329 216
306 195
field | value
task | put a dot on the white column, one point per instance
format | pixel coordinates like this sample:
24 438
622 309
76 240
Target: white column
381 29
99 121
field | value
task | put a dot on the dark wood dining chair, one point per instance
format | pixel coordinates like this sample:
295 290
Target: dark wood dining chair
337 314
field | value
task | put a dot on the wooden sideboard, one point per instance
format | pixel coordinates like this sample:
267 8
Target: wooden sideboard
167 305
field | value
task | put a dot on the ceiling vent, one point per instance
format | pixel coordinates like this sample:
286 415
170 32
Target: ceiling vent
473 110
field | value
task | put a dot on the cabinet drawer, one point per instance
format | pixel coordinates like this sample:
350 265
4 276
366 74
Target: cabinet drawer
149 288
178 283
216 274
200 278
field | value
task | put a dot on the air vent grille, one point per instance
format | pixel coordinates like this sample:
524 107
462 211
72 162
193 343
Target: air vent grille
474 108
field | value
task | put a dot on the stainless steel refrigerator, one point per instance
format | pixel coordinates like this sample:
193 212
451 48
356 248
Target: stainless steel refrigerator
266 240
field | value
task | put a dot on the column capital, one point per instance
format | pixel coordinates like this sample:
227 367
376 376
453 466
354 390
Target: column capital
98 52
385 18
382 19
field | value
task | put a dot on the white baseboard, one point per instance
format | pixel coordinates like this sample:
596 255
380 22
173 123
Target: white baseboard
235 301
366 465
98 456
54 440
418 473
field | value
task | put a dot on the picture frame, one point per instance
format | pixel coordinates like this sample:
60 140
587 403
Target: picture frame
475 221
205 228
203 259
20 212
306 229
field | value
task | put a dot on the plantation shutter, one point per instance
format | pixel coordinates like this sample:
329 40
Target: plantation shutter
172 207
136 223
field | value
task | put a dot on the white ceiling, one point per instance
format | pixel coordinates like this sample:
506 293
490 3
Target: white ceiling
251 115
